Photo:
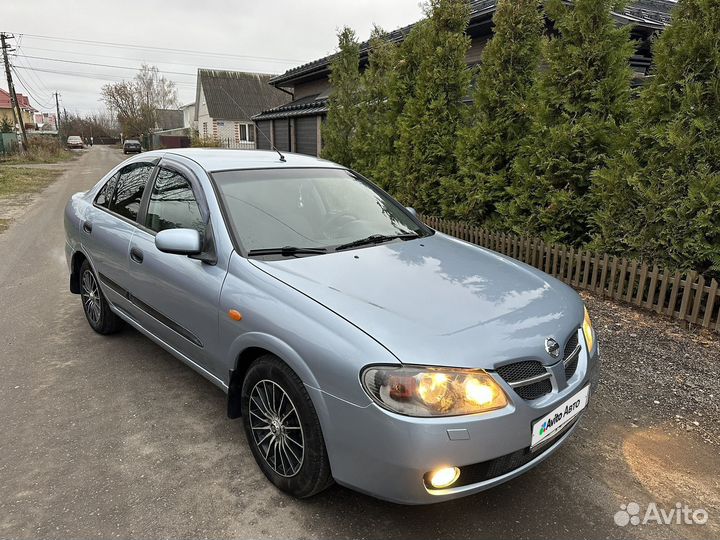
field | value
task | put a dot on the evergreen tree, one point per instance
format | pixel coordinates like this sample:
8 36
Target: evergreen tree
432 81
662 198
583 99
373 144
339 129
499 118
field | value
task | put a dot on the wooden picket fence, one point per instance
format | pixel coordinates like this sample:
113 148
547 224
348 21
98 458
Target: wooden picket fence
686 297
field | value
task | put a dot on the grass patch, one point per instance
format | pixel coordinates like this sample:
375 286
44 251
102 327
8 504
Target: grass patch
4 224
42 150
18 181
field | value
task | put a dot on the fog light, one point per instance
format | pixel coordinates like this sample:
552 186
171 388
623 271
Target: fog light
445 477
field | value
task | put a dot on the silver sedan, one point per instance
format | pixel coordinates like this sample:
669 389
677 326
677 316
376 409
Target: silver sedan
356 343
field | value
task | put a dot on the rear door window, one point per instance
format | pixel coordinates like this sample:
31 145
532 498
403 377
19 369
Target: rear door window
130 188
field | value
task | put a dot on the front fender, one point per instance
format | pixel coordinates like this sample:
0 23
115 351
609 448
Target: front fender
275 346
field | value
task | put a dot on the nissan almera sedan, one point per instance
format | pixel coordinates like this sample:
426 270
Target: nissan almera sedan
357 344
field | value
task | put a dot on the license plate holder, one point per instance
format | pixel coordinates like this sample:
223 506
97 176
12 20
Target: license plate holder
552 423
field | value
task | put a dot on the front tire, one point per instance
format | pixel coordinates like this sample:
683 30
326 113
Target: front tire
283 429
97 310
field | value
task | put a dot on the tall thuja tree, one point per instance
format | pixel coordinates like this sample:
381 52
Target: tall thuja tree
373 144
667 185
499 118
434 82
339 129
582 101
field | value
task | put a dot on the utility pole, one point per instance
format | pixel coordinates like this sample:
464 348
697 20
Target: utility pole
57 111
11 88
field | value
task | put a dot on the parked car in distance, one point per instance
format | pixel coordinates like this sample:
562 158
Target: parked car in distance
75 141
132 146
356 343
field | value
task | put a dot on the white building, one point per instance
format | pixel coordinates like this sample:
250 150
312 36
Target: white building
225 102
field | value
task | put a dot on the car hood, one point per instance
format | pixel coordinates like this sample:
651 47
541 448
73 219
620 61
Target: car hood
439 301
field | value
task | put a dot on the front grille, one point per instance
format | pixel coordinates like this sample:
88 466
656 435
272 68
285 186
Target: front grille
522 371
571 356
535 390
522 376
487 470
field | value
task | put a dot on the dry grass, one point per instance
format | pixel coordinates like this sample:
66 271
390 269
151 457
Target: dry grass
41 150
19 181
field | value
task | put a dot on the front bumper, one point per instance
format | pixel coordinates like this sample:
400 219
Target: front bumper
386 455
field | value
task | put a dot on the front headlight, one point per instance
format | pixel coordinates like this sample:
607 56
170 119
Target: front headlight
427 391
588 331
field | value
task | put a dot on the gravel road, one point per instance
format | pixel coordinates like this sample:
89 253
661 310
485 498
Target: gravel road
111 436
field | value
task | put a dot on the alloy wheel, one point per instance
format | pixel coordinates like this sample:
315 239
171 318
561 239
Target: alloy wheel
91 297
276 428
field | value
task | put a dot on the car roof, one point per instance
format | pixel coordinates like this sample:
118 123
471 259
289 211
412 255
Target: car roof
131 140
223 159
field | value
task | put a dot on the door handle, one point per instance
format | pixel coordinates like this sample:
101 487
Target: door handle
87 227
136 255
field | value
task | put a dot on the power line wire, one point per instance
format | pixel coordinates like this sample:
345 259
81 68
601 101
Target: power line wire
113 57
96 76
35 76
78 62
165 49
28 89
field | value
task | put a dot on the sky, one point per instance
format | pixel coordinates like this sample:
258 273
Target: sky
178 36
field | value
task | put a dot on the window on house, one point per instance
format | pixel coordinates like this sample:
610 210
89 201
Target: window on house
247 133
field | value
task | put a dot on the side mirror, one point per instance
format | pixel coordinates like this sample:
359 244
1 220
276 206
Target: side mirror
411 210
179 241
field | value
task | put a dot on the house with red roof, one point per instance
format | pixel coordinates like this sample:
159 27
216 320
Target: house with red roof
26 109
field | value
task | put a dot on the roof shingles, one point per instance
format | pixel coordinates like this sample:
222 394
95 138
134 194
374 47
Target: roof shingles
237 95
650 12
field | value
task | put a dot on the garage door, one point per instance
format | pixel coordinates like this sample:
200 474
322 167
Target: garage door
263 128
306 135
282 134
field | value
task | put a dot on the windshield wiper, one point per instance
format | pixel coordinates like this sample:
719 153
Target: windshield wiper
376 239
288 251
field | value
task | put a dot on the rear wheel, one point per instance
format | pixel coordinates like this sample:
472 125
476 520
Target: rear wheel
96 308
283 429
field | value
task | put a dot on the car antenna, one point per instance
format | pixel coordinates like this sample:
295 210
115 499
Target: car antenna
258 130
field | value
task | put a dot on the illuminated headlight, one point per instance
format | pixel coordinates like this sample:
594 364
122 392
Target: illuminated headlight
588 331
426 391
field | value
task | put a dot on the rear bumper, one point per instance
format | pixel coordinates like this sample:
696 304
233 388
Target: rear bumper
386 455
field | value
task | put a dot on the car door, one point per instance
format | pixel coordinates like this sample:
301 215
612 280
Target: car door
178 295
109 225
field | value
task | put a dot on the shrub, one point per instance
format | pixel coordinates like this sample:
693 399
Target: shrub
582 100
499 118
661 200
432 85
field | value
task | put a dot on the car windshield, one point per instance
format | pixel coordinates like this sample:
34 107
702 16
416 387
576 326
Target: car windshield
310 208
